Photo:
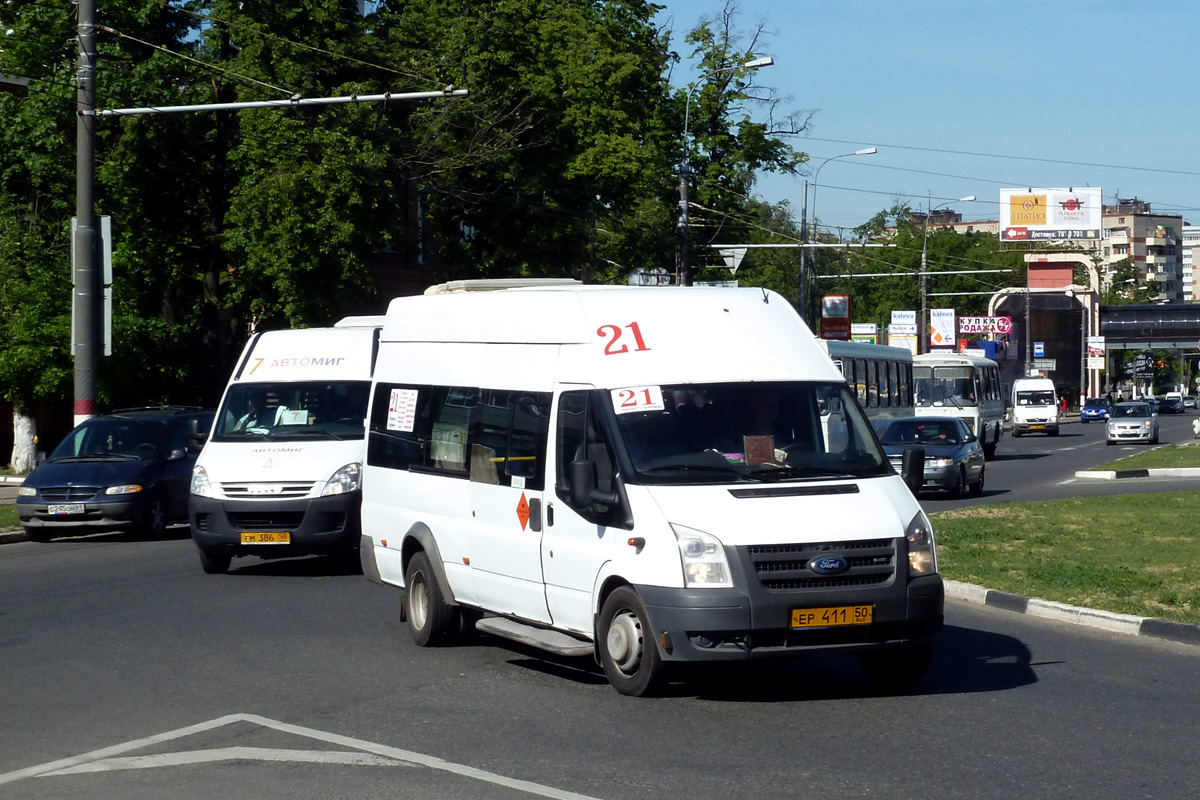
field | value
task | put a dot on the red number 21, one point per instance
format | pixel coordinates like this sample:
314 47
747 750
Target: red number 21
611 349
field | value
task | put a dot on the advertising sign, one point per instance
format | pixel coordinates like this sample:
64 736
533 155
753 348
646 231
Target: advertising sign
1050 214
835 317
1095 345
865 332
1002 325
903 322
906 340
941 327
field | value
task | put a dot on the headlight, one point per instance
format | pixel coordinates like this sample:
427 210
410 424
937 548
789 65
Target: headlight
703 559
940 462
922 551
345 480
200 485
129 488
1146 423
26 491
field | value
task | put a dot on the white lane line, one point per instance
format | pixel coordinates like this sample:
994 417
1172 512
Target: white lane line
394 753
230 754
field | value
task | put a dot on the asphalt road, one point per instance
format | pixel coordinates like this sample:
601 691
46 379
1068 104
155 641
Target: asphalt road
127 673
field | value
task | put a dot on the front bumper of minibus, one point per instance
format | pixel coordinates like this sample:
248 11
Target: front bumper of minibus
276 528
740 624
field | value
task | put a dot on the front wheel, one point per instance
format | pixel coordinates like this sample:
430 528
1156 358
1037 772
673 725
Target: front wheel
154 518
898 669
36 534
214 563
627 649
977 487
431 620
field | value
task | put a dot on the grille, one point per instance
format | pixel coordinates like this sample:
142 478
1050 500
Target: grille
266 491
267 520
784 567
73 494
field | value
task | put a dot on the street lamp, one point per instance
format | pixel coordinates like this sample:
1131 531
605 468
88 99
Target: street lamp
681 227
923 336
866 151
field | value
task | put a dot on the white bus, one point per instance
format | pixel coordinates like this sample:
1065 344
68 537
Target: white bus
963 386
880 376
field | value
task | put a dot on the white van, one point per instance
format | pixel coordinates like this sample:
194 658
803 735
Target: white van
281 472
1034 407
638 474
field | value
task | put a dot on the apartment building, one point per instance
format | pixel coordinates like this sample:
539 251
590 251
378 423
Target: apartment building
1153 241
1189 257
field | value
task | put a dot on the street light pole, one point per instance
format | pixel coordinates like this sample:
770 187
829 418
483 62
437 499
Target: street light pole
682 243
866 151
923 282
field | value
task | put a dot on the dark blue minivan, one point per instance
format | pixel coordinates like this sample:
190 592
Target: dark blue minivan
128 470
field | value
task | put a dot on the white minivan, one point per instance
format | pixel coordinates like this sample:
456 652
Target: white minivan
281 472
1034 407
641 475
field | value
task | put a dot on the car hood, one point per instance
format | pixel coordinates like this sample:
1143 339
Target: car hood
97 472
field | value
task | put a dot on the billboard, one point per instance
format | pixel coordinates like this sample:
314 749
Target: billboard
1095 352
1002 325
903 322
835 317
941 328
1050 214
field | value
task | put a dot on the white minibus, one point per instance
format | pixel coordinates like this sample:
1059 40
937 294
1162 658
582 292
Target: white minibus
963 386
1034 407
281 472
640 475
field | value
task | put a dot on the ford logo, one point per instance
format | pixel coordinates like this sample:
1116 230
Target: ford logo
829 565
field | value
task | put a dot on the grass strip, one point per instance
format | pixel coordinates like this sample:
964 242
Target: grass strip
1170 456
8 517
1132 554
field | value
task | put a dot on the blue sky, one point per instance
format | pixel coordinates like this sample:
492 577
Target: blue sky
969 97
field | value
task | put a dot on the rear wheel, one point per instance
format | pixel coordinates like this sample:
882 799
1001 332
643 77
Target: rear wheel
627 649
431 620
214 563
898 669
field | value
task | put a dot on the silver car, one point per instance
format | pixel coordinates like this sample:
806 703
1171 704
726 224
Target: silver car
954 459
1131 422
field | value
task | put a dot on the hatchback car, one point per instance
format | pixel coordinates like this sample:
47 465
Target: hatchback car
1131 422
954 460
1170 405
1189 401
1095 408
128 470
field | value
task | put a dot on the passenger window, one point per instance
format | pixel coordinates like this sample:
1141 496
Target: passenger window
860 377
419 427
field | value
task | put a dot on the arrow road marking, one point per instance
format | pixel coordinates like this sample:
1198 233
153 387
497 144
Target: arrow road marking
371 754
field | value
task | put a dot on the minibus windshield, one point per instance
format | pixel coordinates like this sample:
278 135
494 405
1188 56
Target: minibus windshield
293 411
1035 398
738 432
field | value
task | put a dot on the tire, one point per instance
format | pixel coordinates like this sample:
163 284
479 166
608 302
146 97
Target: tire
1054 432
960 486
1108 442
627 649
977 487
898 669
1083 421
1155 439
431 621
214 563
1016 434
989 450
36 534
154 518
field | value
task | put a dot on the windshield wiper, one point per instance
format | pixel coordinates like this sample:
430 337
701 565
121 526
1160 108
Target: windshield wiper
776 472
692 468
95 457
308 432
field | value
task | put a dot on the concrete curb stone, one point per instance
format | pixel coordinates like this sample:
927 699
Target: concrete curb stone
1165 472
1179 632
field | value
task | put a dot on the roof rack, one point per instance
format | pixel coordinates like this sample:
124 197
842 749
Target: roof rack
158 410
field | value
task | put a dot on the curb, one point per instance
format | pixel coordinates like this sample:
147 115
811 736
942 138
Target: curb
18 479
8 535
1165 472
1179 632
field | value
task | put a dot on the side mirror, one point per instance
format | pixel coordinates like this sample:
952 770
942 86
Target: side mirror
178 454
971 438
195 443
584 486
912 468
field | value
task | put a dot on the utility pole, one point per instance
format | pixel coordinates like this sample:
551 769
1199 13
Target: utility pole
803 304
683 275
86 325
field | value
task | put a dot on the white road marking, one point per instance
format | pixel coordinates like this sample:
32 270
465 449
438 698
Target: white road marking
402 757
230 754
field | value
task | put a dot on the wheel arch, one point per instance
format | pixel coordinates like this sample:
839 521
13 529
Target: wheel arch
419 539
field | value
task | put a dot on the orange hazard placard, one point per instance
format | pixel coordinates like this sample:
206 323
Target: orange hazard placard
523 511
